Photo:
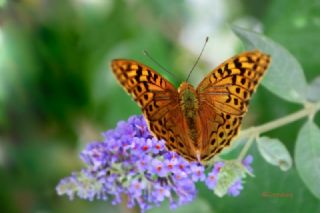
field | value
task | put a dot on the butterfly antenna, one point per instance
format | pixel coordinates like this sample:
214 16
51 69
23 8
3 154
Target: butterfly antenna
205 43
145 52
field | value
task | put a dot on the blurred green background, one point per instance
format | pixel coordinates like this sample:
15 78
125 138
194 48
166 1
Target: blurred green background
57 92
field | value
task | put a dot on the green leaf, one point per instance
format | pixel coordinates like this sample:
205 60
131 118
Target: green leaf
274 152
307 156
313 94
285 76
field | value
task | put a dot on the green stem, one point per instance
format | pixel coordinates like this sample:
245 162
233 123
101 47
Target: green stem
310 110
245 149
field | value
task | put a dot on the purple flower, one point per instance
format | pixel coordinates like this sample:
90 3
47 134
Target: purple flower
160 193
235 189
171 165
136 187
211 180
159 168
217 166
197 172
157 145
131 161
143 163
247 161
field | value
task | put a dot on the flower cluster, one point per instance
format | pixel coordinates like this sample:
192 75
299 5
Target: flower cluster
131 161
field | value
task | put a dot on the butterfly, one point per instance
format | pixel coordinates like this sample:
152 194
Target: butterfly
196 123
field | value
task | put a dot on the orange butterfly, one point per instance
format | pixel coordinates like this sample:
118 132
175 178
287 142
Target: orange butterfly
195 123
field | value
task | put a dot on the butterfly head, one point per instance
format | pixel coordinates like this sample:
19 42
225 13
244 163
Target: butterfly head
184 86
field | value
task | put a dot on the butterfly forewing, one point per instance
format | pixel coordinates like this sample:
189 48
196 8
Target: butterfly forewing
159 101
224 96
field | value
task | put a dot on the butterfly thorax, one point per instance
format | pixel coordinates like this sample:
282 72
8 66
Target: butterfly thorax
189 106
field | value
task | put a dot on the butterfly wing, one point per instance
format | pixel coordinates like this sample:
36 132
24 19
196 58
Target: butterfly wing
224 96
159 101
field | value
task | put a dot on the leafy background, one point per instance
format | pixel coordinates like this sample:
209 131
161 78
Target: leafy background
57 92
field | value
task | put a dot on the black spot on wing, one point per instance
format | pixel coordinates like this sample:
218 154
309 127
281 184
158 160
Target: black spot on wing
245 94
237 63
213 141
139 88
181 145
236 101
243 81
234 79
221 134
139 71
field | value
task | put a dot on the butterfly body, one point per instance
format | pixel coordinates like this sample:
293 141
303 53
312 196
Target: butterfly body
197 123
189 105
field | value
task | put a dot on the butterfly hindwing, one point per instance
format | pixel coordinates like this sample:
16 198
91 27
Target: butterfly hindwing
224 96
